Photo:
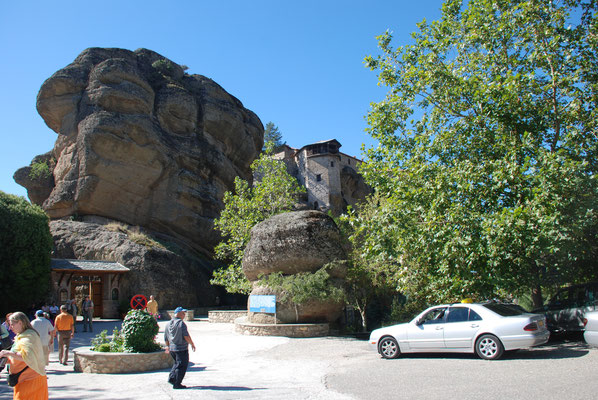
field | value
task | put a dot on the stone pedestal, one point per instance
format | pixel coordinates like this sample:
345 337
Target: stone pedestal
243 326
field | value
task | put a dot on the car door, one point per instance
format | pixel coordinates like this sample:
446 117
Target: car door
427 334
462 324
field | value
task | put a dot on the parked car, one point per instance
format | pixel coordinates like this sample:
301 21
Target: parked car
591 333
487 329
565 311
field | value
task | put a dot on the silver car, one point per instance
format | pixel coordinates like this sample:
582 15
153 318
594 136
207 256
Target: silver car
487 329
591 332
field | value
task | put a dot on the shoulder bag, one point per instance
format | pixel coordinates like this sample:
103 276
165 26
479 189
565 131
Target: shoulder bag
13 379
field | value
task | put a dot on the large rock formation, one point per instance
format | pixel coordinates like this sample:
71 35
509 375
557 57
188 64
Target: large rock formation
171 274
140 141
292 243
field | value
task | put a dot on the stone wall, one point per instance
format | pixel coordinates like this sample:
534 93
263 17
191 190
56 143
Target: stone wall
95 362
228 317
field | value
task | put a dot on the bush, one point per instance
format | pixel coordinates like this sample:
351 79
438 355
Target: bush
139 331
25 246
103 344
104 348
40 170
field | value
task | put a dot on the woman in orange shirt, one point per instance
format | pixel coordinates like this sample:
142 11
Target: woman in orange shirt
27 354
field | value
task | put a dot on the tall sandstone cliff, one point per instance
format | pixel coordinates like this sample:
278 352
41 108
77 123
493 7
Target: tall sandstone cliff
143 143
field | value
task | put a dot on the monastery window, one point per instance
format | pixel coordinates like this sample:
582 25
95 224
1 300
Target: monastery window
319 177
316 205
332 163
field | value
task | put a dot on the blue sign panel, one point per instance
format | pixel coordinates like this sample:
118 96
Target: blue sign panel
261 303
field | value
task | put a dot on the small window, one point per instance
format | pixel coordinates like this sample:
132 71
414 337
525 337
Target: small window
332 164
316 205
63 295
319 177
474 316
115 294
349 161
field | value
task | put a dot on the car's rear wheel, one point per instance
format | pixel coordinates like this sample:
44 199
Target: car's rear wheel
388 347
489 347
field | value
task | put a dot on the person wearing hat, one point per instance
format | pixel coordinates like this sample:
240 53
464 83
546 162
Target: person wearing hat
177 339
46 333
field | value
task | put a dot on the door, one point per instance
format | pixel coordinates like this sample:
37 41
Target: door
428 333
461 327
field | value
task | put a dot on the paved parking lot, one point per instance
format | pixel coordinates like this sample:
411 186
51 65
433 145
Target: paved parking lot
232 366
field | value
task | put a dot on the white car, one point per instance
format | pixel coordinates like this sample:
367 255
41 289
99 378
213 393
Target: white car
591 330
487 329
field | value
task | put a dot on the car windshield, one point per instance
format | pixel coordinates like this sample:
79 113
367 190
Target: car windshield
506 310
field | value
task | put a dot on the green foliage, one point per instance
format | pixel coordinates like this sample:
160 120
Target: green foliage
104 348
274 191
165 67
139 330
25 246
39 170
488 147
374 261
272 137
302 287
102 343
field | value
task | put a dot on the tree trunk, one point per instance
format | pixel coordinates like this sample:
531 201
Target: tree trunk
537 299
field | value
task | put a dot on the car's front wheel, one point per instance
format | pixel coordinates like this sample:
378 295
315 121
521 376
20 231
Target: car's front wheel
388 347
489 347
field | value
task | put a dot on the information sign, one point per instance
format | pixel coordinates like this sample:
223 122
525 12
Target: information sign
262 303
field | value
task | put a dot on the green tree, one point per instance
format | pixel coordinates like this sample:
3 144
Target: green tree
274 191
272 135
25 246
374 264
487 148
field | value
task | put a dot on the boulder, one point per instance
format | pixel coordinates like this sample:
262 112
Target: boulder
140 141
292 243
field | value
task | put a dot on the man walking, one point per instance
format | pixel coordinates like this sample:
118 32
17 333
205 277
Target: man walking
46 333
66 330
87 307
177 339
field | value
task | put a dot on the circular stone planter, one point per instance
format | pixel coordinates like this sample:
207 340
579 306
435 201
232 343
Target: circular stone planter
244 327
95 362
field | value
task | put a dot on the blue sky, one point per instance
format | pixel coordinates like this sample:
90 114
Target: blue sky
298 64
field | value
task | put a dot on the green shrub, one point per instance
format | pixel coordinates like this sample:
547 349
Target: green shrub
39 170
104 348
139 331
104 344
25 246
302 287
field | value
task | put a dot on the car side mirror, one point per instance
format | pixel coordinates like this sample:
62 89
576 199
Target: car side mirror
419 321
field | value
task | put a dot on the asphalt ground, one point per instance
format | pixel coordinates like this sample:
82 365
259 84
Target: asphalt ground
228 365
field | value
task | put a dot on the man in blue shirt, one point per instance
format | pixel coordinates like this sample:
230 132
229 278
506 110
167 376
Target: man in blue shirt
177 339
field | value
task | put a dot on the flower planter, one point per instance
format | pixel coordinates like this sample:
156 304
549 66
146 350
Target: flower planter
95 362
